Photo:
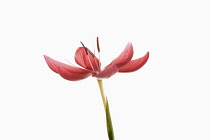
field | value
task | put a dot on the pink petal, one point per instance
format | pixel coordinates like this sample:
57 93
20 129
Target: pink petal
80 57
72 76
54 65
89 61
125 56
134 65
109 70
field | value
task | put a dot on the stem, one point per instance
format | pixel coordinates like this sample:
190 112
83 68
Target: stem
110 130
100 83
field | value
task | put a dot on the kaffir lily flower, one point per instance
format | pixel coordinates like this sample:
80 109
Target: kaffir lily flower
91 65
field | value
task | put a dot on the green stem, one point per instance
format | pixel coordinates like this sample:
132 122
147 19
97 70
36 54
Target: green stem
110 130
100 83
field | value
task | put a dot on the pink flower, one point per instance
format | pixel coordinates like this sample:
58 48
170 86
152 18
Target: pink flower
91 66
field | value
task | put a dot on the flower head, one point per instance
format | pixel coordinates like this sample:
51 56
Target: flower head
91 65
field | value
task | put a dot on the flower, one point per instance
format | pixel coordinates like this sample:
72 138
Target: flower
91 66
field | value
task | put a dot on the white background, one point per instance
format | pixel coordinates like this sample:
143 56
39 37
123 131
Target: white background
168 99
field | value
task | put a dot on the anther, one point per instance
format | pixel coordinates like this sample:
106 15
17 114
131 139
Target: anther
90 52
84 47
87 50
98 45
99 65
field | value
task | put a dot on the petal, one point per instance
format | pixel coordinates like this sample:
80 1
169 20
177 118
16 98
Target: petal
54 65
134 65
86 60
80 57
125 56
72 76
109 70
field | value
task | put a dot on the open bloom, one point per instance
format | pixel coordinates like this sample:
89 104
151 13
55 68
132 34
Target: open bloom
91 66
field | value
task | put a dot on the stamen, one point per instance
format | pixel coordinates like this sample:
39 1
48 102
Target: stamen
99 65
90 63
90 52
98 45
84 47
87 50
98 68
